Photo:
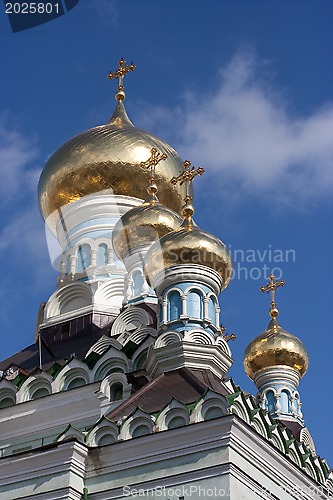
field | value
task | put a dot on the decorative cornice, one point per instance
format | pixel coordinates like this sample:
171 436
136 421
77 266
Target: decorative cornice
188 354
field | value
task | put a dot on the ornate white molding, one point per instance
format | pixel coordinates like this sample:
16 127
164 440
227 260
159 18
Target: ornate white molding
188 354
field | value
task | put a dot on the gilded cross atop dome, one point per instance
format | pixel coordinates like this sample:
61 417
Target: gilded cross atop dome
155 158
271 287
120 73
187 176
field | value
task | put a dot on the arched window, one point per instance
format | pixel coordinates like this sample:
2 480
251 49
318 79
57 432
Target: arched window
176 422
212 309
137 283
285 401
106 439
40 393
76 382
174 306
270 400
296 402
141 430
194 305
6 402
102 255
83 257
213 412
116 392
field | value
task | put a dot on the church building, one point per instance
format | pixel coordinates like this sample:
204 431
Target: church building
124 391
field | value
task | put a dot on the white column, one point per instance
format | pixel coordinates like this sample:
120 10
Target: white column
73 260
93 257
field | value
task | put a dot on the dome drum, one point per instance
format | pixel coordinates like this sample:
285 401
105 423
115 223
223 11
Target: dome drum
276 375
189 273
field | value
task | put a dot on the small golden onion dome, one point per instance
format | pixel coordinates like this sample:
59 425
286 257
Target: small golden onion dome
142 226
107 158
275 347
188 246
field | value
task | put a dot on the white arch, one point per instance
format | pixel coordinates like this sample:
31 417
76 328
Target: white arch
112 360
68 298
32 384
277 441
138 419
130 319
110 293
111 380
258 425
168 338
209 401
199 337
8 390
175 409
75 369
104 428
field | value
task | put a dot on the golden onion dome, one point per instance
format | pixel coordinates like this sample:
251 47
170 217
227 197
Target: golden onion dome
142 226
188 245
107 158
275 347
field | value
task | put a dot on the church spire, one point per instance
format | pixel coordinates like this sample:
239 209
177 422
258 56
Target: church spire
276 360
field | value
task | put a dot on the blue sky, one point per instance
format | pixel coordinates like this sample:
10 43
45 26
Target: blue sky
241 88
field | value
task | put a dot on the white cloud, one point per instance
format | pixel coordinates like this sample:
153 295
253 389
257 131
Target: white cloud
16 154
244 133
23 245
22 237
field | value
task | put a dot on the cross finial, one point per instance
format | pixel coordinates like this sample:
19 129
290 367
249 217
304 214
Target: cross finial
225 334
187 176
120 72
271 288
151 163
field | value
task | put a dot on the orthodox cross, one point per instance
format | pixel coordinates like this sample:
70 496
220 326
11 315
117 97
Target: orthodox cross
120 72
271 288
225 335
152 162
187 176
